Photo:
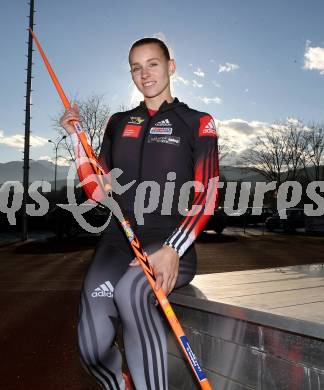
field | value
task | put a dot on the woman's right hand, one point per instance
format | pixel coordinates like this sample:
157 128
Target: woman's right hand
67 119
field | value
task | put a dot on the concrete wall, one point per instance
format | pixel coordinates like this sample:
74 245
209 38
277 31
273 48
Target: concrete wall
241 355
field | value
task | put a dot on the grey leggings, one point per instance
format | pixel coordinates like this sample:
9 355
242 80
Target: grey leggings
114 293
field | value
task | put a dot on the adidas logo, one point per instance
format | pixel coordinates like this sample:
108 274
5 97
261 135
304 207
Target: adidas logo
166 122
208 130
104 290
210 125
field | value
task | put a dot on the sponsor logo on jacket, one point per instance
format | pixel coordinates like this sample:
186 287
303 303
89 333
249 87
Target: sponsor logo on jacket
132 131
161 130
165 122
136 120
164 139
207 127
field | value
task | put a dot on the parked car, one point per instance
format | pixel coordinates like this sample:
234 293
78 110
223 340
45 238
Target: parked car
249 217
217 222
295 219
33 222
63 223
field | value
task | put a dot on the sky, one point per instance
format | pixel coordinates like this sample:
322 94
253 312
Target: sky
248 63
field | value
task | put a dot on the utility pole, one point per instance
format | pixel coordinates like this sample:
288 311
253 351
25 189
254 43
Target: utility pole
24 228
56 146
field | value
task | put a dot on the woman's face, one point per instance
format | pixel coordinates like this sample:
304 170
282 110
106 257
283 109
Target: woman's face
151 70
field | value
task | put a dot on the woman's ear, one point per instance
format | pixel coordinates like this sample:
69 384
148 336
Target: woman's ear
172 67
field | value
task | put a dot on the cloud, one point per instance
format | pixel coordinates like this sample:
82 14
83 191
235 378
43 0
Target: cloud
290 122
239 133
241 127
228 67
293 121
60 160
196 84
178 79
47 158
314 58
208 100
199 72
232 158
216 84
17 140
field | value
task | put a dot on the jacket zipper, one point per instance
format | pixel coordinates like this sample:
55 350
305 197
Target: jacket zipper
142 149
142 152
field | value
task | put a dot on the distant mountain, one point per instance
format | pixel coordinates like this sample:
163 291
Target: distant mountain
44 170
240 173
39 170
248 174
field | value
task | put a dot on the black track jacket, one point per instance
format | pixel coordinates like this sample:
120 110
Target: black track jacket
174 146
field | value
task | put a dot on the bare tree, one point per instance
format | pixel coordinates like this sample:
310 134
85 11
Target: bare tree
288 150
223 147
268 154
296 149
95 114
315 156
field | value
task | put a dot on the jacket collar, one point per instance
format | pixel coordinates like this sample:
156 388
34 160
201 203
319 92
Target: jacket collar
165 106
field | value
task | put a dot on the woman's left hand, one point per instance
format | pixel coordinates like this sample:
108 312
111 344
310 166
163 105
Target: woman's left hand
165 264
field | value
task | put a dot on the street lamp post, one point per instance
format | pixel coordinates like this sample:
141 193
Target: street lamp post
56 145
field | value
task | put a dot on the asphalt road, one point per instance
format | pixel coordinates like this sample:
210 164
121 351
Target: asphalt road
40 282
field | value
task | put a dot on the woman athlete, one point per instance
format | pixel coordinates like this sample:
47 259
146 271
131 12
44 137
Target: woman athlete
164 148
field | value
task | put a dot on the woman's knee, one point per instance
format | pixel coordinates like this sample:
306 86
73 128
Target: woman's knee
131 289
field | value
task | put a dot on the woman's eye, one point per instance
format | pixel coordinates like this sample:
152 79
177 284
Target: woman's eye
136 69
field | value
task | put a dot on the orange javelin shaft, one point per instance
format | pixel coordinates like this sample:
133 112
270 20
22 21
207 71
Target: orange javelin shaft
57 84
135 244
67 105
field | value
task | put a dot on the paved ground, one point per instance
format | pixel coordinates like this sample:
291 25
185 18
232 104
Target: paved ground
40 282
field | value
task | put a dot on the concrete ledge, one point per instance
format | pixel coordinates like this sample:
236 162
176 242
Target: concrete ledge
261 329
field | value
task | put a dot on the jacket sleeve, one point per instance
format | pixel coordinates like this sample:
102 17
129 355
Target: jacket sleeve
206 174
88 169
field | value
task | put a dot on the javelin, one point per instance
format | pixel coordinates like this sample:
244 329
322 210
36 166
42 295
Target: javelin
134 242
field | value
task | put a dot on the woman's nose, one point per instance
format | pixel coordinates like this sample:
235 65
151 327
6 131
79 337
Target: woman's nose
145 73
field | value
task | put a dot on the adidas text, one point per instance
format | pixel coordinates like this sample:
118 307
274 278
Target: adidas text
104 290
